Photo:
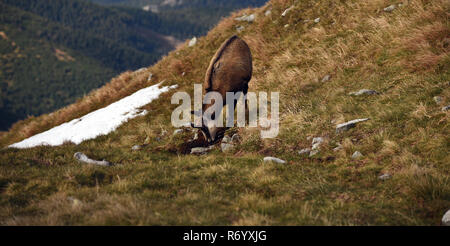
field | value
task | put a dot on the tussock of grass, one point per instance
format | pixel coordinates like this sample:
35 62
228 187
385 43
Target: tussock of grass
404 55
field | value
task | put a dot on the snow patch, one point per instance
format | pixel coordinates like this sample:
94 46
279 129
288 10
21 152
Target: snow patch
96 123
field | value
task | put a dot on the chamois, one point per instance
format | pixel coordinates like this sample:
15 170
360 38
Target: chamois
230 70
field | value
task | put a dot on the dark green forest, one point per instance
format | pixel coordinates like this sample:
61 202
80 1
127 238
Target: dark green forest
54 52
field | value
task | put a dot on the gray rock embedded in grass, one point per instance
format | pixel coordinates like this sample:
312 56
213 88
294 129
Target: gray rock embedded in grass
274 159
313 152
316 142
201 150
357 155
446 218
226 139
385 176
348 125
326 78
437 99
248 18
363 92
226 147
304 151
389 8
138 147
317 20
83 158
240 28
446 108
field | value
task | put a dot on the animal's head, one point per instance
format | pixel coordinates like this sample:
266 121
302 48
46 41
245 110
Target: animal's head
208 128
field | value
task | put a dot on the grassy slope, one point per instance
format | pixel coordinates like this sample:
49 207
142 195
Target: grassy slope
403 55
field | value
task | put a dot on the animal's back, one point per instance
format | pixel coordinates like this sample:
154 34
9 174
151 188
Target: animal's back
231 67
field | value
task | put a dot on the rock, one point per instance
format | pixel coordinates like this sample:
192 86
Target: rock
226 139
286 26
326 78
235 138
184 73
274 159
348 125
226 147
317 20
313 152
240 28
201 150
446 108
317 140
285 12
357 155
248 18
75 202
193 42
304 151
83 158
437 99
137 147
446 218
364 92
268 12
177 131
389 8
385 176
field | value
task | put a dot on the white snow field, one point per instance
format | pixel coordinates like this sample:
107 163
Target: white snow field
96 123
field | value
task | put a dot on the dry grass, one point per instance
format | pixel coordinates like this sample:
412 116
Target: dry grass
404 55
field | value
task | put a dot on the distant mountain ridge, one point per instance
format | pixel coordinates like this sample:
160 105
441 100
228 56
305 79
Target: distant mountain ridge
53 52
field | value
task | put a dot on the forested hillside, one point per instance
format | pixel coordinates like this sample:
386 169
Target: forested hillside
53 52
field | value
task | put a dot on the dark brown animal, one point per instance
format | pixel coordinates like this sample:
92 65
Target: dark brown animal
230 70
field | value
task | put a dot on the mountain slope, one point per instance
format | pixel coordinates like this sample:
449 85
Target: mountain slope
402 54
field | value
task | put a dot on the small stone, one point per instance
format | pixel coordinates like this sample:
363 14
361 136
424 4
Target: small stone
285 12
304 151
226 139
137 147
268 12
446 108
326 78
286 26
437 99
226 147
83 158
184 73
193 42
274 159
385 176
177 131
348 125
357 155
240 28
235 138
201 150
364 92
75 202
248 18
317 20
446 218
313 152
316 142
390 8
